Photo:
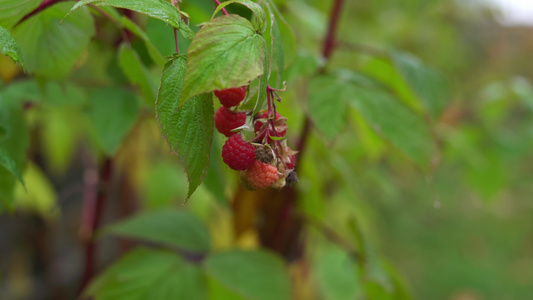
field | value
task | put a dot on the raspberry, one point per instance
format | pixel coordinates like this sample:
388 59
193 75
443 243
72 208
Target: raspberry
232 96
237 153
226 120
261 175
258 126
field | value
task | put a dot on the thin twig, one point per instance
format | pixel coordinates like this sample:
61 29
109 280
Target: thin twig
95 194
177 5
45 4
217 3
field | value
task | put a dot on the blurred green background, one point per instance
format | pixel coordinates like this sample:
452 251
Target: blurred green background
459 229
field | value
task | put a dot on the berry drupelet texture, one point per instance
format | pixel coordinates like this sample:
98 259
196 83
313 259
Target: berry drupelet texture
232 96
237 153
261 175
226 120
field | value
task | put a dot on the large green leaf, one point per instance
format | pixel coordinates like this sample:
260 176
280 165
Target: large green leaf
255 275
14 140
112 112
328 98
336 273
132 66
429 85
158 9
189 128
13 10
396 123
51 49
9 47
149 274
170 227
226 52
260 16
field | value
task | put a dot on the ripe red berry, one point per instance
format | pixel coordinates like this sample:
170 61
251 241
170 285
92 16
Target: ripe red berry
237 153
226 120
232 96
258 126
261 175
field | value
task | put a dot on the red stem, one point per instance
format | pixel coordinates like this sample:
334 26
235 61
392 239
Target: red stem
94 197
45 4
217 3
177 5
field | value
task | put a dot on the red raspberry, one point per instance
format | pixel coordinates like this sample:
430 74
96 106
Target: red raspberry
226 120
237 153
232 96
259 125
261 176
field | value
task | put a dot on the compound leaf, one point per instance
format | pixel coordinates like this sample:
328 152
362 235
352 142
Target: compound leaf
255 275
226 52
158 9
187 128
170 227
50 48
149 274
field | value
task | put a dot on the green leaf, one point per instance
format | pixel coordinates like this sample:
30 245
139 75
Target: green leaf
215 181
336 273
40 198
427 84
9 47
51 49
280 39
383 70
149 274
154 53
133 68
171 227
395 122
255 275
9 164
254 7
14 10
226 52
112 113
14 141
275 43
263 82
158 9
189 128
328 98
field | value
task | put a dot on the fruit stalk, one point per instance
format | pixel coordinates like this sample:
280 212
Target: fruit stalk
177 5
217 3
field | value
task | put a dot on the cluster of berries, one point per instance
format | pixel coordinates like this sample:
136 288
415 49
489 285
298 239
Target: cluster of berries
266 160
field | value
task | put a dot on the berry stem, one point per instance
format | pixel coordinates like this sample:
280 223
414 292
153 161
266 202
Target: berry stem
177 5
217 3
45 4
96 191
